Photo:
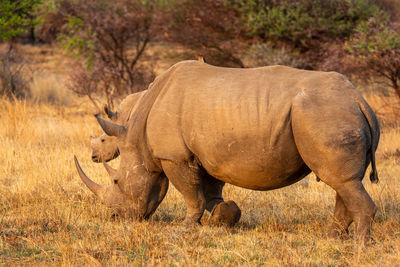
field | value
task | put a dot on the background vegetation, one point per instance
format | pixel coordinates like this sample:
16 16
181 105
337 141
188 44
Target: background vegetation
109 39
53 52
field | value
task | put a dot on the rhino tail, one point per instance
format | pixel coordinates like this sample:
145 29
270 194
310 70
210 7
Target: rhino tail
373 176
374 129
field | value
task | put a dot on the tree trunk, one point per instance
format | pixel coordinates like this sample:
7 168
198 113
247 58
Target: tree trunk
397 90
94 103
396 86
10 45
32 37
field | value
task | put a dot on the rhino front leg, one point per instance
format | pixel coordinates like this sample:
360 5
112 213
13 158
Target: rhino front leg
341 220
188 181
222 213
212 189
226 213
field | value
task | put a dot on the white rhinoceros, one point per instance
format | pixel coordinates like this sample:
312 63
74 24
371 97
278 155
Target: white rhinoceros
200 126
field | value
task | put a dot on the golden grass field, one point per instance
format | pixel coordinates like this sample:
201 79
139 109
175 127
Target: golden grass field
47 215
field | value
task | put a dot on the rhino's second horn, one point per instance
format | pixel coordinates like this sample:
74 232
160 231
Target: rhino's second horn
109 113
111 129
111 171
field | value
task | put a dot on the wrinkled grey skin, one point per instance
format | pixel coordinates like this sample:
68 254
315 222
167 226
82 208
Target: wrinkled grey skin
141 196
261 129
104 147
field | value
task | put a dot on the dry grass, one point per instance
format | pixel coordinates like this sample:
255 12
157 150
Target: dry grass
47 216
50 88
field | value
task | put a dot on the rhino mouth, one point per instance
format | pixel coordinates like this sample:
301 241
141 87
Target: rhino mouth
116 154
96 159
99 159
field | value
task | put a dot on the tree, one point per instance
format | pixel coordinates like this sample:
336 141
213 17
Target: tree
108 39
16 18
209 27
376 43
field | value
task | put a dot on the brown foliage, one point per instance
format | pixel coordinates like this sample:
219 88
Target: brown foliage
52 25
387 65
14 78
110 37
376 45
390 6
208 27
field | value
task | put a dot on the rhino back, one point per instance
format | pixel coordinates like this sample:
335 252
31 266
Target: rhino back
127 105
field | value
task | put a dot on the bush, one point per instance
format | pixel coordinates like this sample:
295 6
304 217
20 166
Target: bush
16 17
264 55
49 88
376 43
52 21
14 76
208 27
222 29
302 23
108 39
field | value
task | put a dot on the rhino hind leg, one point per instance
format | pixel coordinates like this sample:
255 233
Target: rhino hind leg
342 219
360 206
187 180
335 147
343 172
353 203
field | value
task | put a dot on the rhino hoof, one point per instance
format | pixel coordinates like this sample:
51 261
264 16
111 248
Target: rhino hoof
226 213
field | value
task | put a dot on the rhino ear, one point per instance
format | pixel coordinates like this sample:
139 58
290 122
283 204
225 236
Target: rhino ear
110 114
111 129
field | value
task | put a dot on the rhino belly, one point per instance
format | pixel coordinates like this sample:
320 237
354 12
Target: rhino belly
254 166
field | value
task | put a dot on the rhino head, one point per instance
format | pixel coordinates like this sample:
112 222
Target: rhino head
135 191
104 147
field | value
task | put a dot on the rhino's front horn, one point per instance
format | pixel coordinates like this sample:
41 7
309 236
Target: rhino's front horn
97 189
111 129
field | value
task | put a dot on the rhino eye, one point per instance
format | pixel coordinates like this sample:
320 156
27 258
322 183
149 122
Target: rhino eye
102 140
115 181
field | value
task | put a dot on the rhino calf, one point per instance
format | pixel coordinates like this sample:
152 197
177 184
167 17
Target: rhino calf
104 147
200 126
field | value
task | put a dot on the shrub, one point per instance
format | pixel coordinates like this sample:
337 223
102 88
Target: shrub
108 39
14 76
376 43
264 55
16 17
49 88
302 23
208 27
